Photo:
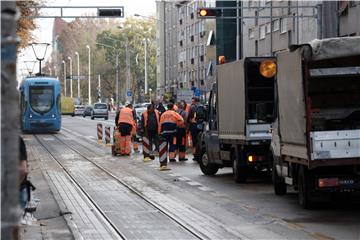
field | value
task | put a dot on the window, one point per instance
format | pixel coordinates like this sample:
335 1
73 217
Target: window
276 25
268 28
256 18
251 33
41 98
283 25
250 3
256 48
181 43
262 31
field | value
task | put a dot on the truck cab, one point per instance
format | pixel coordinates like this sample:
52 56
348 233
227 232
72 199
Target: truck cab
240 114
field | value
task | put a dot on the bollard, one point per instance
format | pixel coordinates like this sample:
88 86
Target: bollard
163 149
99 132
107 135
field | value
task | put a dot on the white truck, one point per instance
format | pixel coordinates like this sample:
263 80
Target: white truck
240 113
316 135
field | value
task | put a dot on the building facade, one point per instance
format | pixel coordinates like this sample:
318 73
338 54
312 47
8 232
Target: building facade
181 39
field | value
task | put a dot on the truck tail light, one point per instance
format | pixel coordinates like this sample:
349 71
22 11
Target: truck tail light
253 158
328 182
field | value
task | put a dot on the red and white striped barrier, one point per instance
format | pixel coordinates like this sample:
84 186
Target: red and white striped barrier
163 149
146 146
107 135
100 132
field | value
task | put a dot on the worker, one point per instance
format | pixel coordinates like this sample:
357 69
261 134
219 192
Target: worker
126 124
181 133
150 122
188 136
196 121
169 121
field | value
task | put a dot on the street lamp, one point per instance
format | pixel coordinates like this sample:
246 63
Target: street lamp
30 65
71 78
78 74
88 47
40 52
63 61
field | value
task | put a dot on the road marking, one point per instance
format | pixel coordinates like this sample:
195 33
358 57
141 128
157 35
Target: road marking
48 139
206 189
193 183
185 179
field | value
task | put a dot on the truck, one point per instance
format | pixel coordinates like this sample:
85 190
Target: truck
316 134
240 113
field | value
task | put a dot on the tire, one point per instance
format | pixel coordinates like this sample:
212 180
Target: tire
239 172
106 118
206 167
280 187
304 197
92 118
84 116
73 115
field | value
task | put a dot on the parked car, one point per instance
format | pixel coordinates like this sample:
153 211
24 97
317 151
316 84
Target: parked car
100 110
87 111
79 110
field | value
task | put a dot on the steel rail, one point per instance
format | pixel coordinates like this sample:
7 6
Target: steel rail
181 223
95 206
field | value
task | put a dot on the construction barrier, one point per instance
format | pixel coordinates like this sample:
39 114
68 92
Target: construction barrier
163 149
107 135
99 132
146 146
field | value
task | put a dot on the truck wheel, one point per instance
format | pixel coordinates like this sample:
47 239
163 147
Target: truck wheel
239 172
280 187
206 167
304 197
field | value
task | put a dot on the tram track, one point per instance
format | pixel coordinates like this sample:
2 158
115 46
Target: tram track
193 232
95 206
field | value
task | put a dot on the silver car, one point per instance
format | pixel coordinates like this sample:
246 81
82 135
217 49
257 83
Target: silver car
100 110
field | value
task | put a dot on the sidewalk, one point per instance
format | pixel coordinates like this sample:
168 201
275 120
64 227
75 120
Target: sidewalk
50 222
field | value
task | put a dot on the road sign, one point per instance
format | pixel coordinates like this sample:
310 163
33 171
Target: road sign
128 93
184 94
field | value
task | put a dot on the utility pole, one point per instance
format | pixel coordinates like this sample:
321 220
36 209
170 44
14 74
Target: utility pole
78 74
89 94
117 80
63 61
127 60
71 78
145 67
237 31
10 211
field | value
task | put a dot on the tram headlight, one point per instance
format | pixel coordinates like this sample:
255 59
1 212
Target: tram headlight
53 115
30 115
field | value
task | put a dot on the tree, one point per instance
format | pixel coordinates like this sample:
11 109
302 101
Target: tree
132 33
26 25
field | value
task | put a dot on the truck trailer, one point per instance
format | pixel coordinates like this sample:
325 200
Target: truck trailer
240 113
316 135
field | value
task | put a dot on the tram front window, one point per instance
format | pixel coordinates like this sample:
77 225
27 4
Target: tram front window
41 98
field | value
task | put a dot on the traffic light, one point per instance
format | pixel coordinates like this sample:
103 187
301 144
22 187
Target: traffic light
209 13
110 12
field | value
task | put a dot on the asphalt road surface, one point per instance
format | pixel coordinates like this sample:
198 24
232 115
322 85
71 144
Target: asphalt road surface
134 200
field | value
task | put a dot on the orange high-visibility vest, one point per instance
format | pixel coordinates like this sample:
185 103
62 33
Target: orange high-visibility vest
187 108
146 116
126 116
170 116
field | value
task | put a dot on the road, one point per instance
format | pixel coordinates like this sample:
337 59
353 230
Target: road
133 199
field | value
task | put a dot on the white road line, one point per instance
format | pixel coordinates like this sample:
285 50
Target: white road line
185 179
206 189
193 183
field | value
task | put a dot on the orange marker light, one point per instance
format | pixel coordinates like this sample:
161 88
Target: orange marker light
267 68
203 12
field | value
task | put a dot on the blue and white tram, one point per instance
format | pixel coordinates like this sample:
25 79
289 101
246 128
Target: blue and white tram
40 104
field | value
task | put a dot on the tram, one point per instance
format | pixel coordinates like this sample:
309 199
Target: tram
40 104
